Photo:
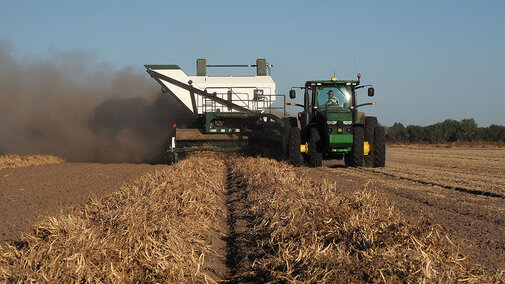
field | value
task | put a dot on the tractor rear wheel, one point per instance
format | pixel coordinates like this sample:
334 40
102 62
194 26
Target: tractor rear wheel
295 157
355 157
370 124
380 147
316 157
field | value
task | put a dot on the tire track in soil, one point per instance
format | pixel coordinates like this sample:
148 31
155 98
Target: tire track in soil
456 188
237 239
232 199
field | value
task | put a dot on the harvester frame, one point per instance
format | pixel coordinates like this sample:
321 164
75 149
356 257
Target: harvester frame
220 123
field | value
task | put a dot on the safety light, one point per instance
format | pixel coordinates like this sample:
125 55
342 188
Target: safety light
334 78
359 75
374 103
174 125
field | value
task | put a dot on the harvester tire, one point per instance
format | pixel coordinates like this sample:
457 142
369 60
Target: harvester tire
295 157
370 124
316 157
170 158
355 157
380 147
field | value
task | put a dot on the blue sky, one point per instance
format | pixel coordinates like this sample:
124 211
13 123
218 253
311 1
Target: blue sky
428 60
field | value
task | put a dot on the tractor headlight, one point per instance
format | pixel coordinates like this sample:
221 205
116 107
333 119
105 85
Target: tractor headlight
332 122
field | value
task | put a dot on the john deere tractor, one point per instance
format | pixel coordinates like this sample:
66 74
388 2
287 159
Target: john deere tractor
331 127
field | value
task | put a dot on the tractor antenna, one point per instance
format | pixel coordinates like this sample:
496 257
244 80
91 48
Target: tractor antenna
333 72
355 67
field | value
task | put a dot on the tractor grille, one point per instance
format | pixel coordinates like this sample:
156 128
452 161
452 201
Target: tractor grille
334 126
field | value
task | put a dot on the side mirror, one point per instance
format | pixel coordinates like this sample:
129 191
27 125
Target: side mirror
292 94
370 92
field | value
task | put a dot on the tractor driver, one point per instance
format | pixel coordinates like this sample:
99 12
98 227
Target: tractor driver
332 101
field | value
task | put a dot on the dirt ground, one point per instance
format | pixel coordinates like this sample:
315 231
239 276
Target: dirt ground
462 189
27 193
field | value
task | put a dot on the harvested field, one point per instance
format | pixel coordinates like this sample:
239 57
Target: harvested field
160 228
463 195
212 219
47 190
292 227
19 161
481 170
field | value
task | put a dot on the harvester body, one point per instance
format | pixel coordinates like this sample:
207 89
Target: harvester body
230 113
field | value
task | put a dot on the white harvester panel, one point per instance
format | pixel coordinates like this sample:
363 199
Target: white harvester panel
255 93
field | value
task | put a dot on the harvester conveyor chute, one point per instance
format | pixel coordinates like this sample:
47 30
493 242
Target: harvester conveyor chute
158 77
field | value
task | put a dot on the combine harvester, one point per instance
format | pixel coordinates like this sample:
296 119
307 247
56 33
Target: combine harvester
244 113
231 113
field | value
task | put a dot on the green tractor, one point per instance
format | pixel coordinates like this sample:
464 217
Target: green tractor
331 127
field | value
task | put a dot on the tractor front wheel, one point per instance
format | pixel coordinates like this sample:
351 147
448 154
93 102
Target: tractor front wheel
370 124
316 157
355 157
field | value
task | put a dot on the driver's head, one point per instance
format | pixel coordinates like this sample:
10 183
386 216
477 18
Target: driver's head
331 94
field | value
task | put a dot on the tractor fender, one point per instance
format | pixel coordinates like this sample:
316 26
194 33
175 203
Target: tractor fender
360 118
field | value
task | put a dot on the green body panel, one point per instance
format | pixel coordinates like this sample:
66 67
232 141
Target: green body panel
340 140
169 66
344 115
209 116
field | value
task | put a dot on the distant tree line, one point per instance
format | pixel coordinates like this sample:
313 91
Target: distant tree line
447 131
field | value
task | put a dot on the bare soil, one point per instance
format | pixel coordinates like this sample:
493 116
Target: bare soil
28 193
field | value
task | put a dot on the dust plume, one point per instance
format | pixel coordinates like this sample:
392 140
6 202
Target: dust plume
73 107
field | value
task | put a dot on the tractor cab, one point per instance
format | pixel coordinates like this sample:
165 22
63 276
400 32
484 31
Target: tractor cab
329 100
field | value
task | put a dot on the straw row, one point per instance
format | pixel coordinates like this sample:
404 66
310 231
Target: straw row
306 230
156 229
18 161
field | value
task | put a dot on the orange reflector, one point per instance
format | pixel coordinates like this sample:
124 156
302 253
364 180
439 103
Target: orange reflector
174 125
287 113
374 103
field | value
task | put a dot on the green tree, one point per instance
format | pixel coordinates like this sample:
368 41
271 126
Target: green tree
469 130
397 133
494 133
416 133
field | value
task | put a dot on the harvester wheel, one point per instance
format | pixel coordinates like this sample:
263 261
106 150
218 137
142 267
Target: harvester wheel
355 157
295 157
170 158
370 124
380 147
316 157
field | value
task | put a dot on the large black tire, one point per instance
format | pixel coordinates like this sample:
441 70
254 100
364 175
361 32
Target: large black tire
355 157
380 146
316 157
370 124
294 154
